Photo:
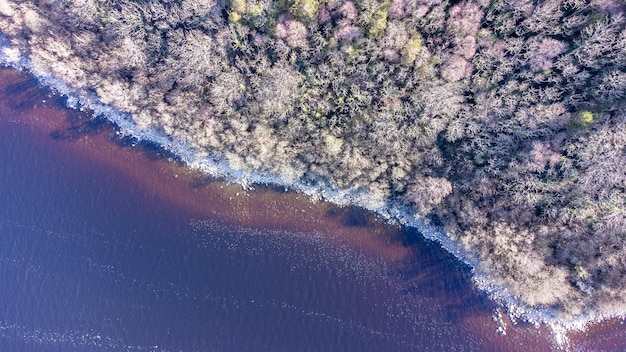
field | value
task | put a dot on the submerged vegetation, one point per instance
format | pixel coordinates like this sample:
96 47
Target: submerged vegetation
503 121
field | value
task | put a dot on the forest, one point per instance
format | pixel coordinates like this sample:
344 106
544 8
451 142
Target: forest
502 121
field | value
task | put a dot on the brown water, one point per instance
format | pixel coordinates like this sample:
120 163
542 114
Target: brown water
108 245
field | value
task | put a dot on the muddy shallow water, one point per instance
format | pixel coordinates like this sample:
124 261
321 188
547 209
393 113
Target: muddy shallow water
107 245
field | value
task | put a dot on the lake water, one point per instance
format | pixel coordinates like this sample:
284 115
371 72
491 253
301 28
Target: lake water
106 245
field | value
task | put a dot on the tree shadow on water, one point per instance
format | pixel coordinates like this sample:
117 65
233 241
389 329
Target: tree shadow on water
79 124
22 92
431 272
78 128
353 216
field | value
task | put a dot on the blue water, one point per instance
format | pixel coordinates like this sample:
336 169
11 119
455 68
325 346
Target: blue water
90 262
87 265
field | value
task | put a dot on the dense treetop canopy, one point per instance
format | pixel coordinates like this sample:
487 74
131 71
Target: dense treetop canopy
502 121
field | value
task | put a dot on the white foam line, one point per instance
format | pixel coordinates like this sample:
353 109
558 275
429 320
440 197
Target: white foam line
71 339
216 166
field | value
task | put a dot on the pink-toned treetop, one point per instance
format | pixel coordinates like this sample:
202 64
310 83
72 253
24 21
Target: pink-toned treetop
543 53
347 32
456 68
465 18
292 31
413 8
465 46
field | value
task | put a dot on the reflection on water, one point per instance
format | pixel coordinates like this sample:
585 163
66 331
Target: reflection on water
105 246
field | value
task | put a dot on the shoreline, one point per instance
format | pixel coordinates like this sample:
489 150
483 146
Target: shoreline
216 168
248 181
489 142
